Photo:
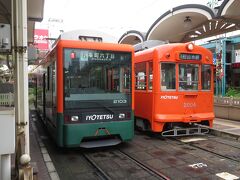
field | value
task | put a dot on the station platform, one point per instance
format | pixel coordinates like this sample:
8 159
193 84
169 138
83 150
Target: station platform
45 171
225 127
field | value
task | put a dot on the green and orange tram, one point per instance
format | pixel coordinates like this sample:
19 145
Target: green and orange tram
85 92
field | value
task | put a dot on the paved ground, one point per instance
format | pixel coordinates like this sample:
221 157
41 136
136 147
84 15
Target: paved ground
46 171
224 127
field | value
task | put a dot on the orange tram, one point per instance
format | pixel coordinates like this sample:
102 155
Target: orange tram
174 89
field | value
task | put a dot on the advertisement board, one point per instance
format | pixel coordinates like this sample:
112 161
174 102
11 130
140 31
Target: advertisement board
41 39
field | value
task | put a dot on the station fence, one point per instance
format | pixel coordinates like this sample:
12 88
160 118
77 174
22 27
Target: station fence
227 108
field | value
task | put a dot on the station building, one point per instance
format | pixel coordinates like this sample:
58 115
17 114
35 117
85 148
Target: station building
230 63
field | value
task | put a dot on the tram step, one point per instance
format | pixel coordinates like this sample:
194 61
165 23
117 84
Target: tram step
100 143
185 131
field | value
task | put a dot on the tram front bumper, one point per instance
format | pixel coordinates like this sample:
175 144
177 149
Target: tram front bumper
74 134
185 118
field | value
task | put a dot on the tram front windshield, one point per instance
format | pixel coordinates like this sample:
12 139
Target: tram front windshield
97 78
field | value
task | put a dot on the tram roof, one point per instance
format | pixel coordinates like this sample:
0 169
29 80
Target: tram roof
34 13
189 23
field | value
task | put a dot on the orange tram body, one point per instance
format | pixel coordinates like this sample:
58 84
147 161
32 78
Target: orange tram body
174 89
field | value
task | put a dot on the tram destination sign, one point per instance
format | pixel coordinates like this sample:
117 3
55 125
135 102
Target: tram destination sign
188 56
98 55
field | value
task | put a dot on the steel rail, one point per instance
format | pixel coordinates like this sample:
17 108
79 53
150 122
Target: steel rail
146 167
101 173
206 150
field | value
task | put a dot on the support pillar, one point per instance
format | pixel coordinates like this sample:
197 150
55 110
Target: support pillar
21 69
5 167
224 52
19 42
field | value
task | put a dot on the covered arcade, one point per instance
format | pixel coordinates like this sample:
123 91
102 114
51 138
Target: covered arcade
189 23
193 22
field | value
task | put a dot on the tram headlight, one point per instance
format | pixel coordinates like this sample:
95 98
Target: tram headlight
190 46
74 118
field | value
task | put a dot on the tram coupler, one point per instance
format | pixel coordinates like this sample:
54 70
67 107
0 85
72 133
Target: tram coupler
178 131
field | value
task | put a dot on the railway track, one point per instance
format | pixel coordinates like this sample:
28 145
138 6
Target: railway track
99 171
226 150
228 142
116 164
146 167
148 156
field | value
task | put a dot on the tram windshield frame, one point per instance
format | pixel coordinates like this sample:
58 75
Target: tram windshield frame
189 75
97 78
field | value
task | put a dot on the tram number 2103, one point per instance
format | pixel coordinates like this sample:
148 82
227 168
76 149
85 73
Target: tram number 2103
119 101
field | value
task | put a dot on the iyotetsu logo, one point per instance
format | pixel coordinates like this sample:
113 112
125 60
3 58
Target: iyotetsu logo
99 117
168 97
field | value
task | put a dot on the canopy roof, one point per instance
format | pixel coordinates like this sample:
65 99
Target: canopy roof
190 22
132 37
34 11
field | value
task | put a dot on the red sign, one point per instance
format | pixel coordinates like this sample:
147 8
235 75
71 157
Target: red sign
236 65
41 39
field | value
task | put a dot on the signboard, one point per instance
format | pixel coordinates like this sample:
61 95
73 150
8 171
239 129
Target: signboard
236 65
41 39
237 56
5 37
219 68
187 56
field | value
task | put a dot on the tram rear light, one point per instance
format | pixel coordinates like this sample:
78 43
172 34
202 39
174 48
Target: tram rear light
190 46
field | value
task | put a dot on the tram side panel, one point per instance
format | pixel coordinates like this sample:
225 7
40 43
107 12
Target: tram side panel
143 67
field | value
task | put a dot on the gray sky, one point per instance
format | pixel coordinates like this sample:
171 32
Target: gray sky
111 16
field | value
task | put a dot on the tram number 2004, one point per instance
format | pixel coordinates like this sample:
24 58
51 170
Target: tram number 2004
119 101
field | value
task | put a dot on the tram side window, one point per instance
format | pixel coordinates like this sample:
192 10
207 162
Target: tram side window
140 75
150 78
168 76
48 79
127 78
206 77
188 77
54 82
